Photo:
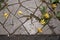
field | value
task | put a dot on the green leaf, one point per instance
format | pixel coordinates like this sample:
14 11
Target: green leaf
54 1
59 0
58 14
0 4
1 1
43 9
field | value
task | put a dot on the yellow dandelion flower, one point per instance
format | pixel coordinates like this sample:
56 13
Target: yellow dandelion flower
19 12
42 22
54 5
46 15
6 15
39 30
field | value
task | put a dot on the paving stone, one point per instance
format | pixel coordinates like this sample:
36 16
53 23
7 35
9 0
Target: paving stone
13 9
12 2
55 23
29 4
28 8
46 30
12 23
21 31
2 30
32 28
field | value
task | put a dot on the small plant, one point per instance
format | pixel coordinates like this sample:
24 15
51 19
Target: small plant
1 1
58 15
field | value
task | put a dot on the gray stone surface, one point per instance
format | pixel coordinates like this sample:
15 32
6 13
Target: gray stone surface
28 7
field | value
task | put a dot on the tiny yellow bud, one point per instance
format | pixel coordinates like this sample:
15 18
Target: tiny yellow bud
46 15
5 15
54 5
19 12
39 30
42 22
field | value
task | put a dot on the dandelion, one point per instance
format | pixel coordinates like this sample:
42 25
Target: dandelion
46 15
54 5
42 21
39 30
19 12
6 15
